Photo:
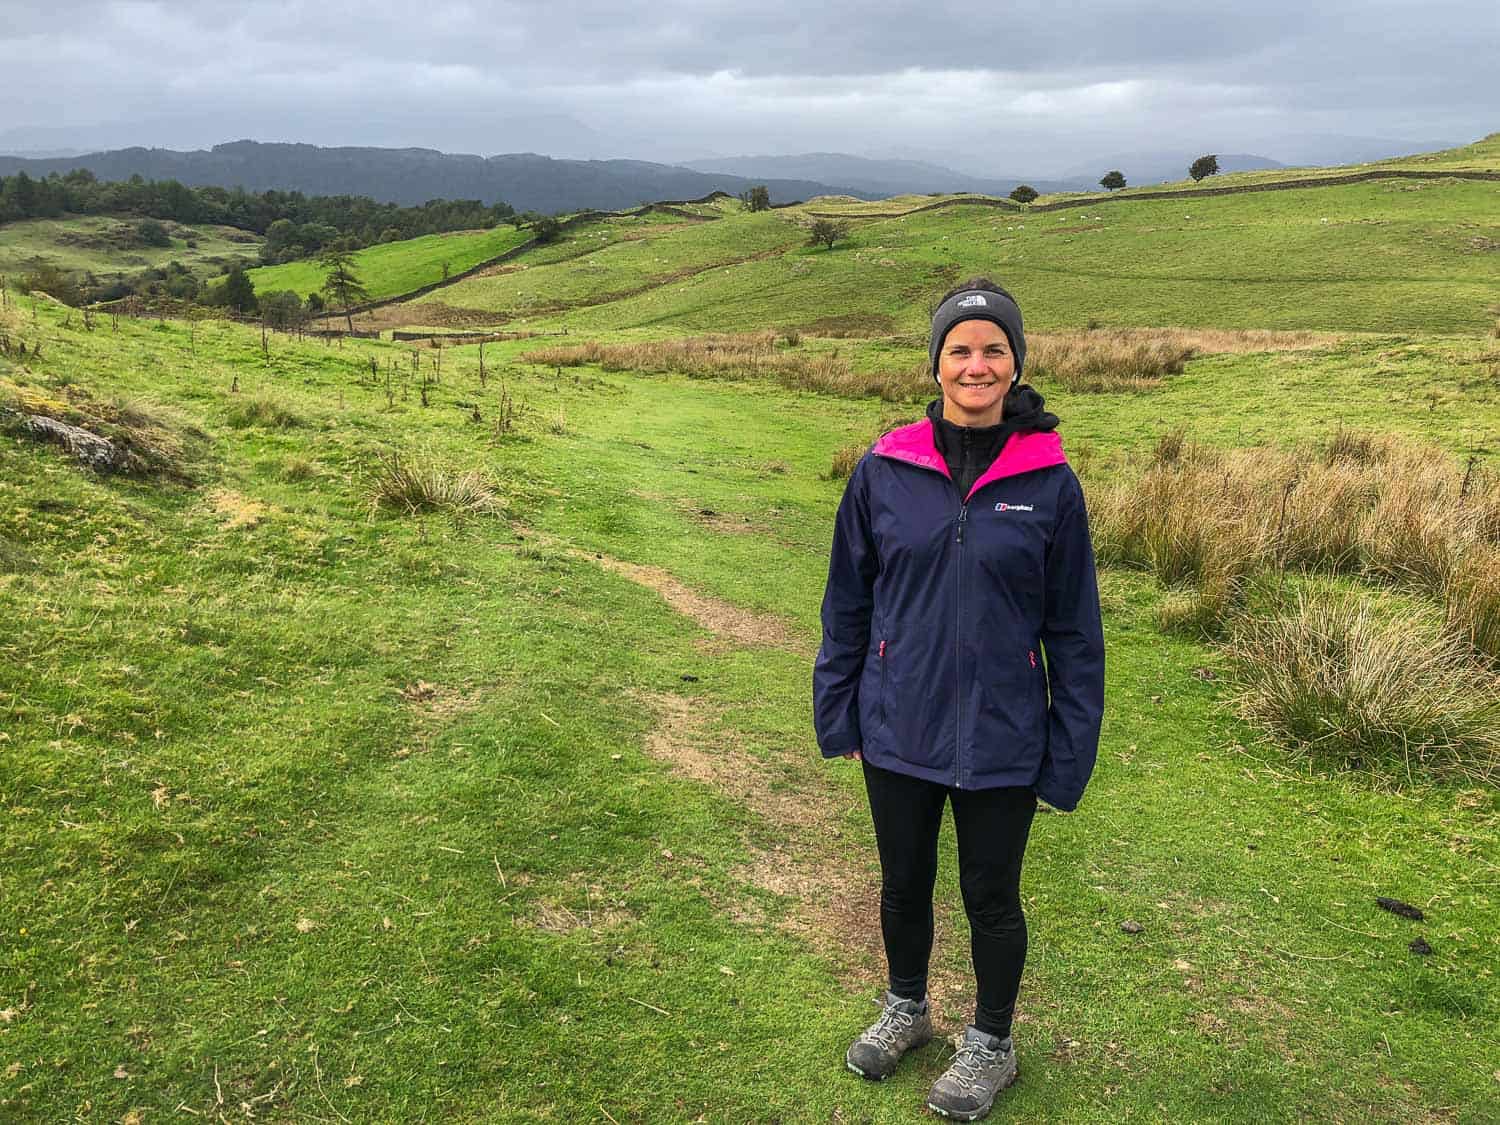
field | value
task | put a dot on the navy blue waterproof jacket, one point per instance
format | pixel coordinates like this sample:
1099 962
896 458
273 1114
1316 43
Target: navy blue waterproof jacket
962 640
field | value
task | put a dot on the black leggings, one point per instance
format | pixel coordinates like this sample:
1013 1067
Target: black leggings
992 828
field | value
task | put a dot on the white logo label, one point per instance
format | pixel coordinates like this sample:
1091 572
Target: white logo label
973 299
1004 507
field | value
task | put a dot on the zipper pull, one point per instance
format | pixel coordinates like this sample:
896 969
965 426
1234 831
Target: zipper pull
963 514
882 650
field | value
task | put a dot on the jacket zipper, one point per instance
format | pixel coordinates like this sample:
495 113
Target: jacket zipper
958 652
882 683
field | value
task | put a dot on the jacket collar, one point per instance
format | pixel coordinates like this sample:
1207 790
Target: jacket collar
1023 453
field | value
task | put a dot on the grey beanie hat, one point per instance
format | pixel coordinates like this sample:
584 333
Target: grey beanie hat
979 304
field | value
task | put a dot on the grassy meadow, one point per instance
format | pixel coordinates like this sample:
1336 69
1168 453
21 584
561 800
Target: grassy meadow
1385 255
396 747
389 268
107 246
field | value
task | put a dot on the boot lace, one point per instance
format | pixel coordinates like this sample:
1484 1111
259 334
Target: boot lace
970 1062
892 1022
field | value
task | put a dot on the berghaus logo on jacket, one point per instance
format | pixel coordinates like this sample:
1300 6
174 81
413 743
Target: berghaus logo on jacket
1004 507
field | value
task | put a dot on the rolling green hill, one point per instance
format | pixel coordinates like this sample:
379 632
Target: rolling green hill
108 245
1386 255
397 267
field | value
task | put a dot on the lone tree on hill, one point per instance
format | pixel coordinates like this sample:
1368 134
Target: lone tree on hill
239 292
825 232
1204 167
757 198
1113 181
341 285
1025 193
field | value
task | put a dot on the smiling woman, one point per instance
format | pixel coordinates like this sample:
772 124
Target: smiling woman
963 661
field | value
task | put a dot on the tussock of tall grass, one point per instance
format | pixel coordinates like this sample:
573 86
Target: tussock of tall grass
413 484
745 355
1376 507
1128 360
264 411
1330 677
1103 362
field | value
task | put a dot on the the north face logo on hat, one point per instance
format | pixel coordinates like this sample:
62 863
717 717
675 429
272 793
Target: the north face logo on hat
972 300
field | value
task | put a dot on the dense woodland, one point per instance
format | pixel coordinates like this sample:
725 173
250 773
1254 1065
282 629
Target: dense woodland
316 220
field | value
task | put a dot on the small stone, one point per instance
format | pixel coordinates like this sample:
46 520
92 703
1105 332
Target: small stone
1130 926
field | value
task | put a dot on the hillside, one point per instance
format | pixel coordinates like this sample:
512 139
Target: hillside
381 813
1385 255
397 267
405 733
526 181
109 246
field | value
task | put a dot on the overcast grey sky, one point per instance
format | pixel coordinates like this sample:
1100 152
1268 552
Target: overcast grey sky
981 86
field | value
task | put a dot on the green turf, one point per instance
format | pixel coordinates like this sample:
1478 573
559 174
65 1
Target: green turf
1382 256
102 245
249 861
389 268
609 260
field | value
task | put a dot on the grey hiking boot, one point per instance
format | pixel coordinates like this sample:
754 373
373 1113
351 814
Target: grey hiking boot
903 1025
982 1066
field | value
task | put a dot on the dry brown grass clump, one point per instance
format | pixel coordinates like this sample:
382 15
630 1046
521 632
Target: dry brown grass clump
1389 511
421 484
1103 362
1332 678
1129 360
745 355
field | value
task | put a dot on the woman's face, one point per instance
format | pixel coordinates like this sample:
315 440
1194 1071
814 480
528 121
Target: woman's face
975 369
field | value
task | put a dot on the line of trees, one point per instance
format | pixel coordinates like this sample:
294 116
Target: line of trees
311 222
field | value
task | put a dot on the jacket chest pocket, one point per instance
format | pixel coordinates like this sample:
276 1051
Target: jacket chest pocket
1010 543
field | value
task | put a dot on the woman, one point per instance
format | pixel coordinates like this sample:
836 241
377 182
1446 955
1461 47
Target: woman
963 661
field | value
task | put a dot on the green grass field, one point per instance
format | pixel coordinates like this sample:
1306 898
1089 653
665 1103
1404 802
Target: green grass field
1383 256
319 811
390 268
104 246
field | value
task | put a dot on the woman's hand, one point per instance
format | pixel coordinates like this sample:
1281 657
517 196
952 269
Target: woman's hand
855 756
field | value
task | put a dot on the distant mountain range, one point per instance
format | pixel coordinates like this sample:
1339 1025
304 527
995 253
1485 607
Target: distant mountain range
526 181
530 182
885 177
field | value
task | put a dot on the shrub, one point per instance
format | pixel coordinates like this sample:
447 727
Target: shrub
825 232
1204 167
1024 193
1350 689
1112 181
421 484
152 233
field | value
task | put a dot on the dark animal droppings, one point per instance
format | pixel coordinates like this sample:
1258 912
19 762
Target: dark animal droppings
1396 906
1420 946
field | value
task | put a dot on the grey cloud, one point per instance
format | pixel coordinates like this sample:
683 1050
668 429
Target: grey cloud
681 78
